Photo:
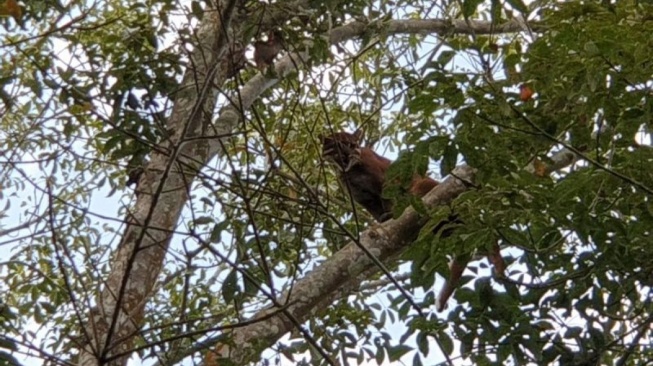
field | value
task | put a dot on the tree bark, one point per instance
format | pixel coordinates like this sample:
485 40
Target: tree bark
114 322
343 269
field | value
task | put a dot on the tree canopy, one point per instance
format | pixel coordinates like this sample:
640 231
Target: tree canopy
164 199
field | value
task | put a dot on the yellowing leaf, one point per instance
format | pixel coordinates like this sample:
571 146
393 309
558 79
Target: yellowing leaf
291 193
539 168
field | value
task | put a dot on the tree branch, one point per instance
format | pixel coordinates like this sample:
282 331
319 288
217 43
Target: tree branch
113 323
342 269
137 263
229 116
427 26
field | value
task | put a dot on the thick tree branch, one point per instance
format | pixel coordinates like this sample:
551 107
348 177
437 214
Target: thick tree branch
344 272
427 26
138 261
268 332
230 115
384 241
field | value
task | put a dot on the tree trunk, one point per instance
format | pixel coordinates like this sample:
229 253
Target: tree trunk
163 191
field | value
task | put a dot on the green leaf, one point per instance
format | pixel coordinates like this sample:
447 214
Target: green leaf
518 5
252 284
8 359
7 344
197 10
380 355
112 143
396 352
423 343
230 286
591 48
4 80
445 342
203 220
216 233
445 57
469 7
417 360
404 309
449 159
467 344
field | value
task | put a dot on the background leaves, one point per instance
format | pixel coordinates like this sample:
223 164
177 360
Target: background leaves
86 98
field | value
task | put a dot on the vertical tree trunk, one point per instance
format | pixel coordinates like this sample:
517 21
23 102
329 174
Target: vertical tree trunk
118 314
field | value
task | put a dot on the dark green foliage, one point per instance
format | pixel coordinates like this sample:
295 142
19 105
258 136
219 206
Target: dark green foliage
576 241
